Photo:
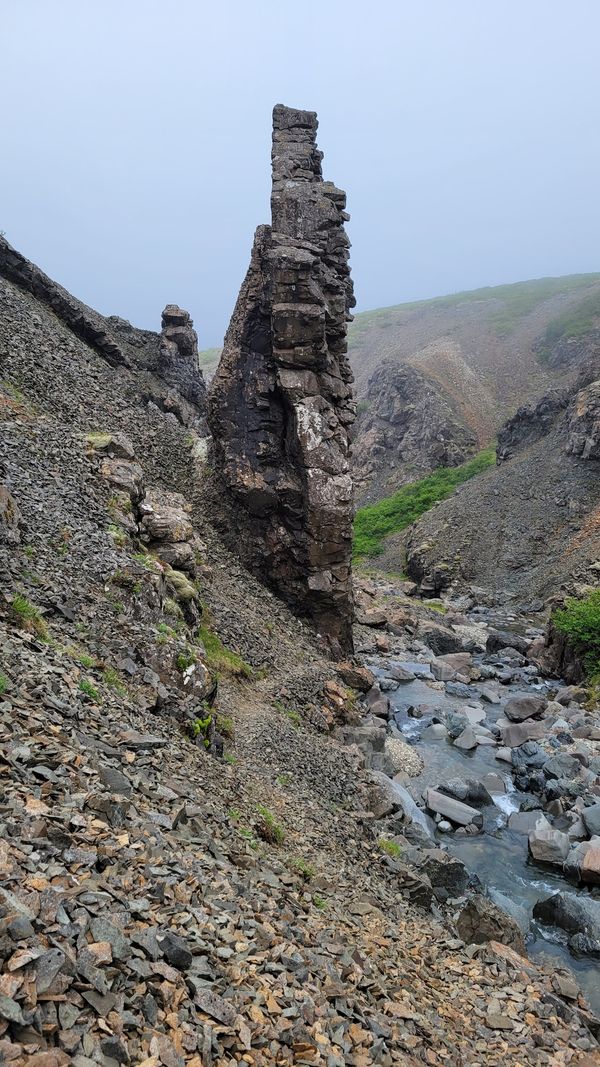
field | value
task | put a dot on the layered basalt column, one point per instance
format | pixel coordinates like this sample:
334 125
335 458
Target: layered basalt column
178 362
281 404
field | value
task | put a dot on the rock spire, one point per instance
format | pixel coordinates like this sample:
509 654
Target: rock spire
281 403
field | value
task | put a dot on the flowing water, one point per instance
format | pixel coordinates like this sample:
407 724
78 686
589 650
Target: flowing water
498 857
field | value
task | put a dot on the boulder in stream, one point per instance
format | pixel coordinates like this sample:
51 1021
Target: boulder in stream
524 706
548 845
452 809
481 920
579 915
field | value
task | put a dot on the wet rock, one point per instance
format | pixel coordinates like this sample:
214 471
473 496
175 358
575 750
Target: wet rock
524 706
548 845
467 739
401 674
436 732
524 822
575 914
470 791
481 920
452 809
591 819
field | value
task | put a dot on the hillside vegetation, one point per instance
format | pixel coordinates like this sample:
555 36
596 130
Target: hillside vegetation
435 379
377 521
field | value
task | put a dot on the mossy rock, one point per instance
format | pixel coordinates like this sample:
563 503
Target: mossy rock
183 590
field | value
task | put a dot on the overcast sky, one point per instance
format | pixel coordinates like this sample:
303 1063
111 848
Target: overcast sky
136 141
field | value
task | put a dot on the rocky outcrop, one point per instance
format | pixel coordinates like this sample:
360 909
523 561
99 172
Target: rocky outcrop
529 423
583 423
281 405
178 358
405 429
85 323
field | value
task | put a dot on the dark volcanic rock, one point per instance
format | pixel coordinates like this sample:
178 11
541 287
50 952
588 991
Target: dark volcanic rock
406 429
281 402
178 360
481 920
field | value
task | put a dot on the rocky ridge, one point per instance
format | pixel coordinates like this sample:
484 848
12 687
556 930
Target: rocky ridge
281 400
529 527
458 367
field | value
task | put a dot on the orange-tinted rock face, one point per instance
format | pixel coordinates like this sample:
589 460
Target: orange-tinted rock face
281 403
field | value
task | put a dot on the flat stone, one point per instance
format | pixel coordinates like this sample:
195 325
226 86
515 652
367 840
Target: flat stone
490 696
548 845
516 734
467 739
524 706
452 809
523 822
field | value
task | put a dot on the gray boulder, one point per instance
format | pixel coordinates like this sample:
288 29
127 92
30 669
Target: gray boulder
500 639
563 766
578 915
524 706
591 819
481 921
548 845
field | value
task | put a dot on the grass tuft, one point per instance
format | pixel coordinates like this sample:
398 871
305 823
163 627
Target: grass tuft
219 658
29 617
89 689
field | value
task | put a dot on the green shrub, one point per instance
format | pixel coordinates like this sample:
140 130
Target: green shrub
185 659
4 684
579 620
200 728
390 848
114 681
305 870
29 617
268 828
219 658
89 689
375 522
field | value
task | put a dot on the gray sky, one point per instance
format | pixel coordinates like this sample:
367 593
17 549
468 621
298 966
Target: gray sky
136 141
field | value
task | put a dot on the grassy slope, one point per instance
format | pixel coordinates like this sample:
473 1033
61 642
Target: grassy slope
375 522
517 300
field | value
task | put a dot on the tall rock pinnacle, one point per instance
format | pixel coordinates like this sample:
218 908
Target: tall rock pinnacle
281 404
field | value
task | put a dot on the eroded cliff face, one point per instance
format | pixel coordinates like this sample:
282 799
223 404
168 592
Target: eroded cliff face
281 403
405 430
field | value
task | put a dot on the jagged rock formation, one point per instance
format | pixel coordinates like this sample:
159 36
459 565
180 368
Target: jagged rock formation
464 364
405 429
85 323
281 401
178 362
529 527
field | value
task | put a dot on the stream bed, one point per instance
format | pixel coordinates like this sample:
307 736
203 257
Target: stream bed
498 856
